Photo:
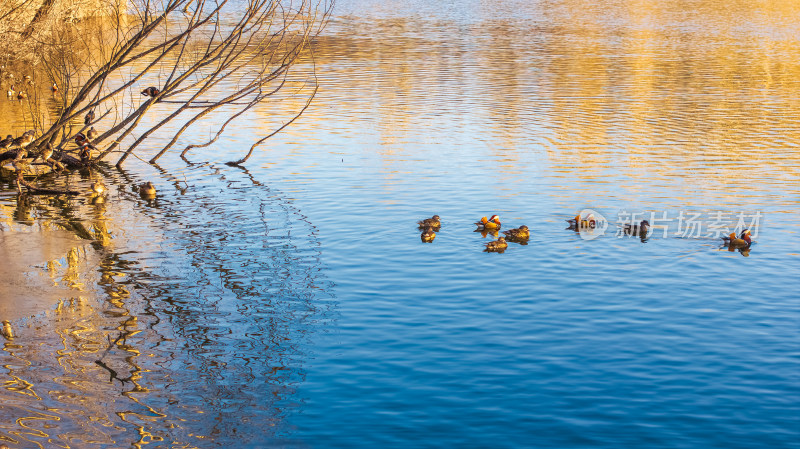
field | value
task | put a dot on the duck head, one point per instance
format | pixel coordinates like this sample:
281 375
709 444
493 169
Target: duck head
746 235
494 219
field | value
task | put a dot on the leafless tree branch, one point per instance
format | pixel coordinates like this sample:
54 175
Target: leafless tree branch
203 56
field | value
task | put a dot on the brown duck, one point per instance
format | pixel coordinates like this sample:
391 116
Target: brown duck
519 234
5 143
637 229
147 189
432 222
23 140
498 245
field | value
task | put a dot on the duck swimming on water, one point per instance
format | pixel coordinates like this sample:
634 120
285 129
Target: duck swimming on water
579 223
432 222
147 189
637 229
743 241
498 245
573 222
492 223
519 234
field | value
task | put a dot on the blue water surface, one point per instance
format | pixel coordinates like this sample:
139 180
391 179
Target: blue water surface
291 303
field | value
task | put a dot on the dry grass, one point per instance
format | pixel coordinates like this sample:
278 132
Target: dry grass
100 53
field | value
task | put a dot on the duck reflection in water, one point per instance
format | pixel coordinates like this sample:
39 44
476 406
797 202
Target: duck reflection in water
488 232
745 252
22 213
428 235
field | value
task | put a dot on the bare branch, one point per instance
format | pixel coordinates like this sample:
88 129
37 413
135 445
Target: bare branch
198 56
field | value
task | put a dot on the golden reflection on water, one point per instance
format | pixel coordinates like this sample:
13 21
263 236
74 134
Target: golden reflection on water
134 369
74 322
650 90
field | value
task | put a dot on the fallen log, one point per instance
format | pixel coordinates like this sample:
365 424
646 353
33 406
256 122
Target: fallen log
69 160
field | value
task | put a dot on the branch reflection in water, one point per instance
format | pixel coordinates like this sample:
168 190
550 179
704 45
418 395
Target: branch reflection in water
204 299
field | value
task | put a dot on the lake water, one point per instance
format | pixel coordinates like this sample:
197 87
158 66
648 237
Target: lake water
292 303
